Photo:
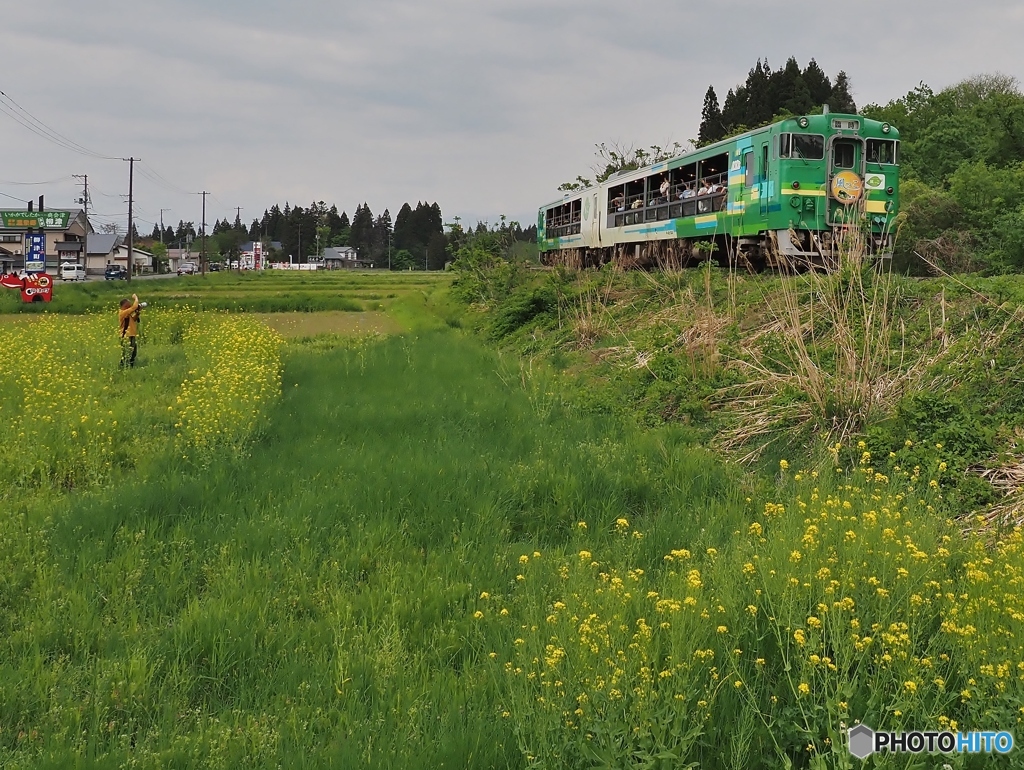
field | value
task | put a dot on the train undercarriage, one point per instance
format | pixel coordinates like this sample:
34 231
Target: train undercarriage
772 249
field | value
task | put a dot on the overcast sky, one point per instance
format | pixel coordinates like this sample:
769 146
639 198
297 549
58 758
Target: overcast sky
484 106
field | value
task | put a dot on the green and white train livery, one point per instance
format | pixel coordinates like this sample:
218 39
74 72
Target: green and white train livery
791 190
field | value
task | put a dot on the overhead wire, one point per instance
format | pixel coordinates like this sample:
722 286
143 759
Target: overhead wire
25 118
159 179
28 121
35 184
12 197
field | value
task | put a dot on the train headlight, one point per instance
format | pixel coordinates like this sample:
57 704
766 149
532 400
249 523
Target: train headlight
803 122
886 128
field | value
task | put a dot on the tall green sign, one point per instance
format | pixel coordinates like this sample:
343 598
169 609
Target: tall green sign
55 220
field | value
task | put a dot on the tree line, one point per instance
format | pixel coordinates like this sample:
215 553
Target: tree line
766 97
417 238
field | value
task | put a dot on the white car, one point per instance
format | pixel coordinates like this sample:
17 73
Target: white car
72 272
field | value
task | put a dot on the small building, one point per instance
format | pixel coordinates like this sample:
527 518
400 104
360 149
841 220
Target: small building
343 257
64 232
100 250
110 249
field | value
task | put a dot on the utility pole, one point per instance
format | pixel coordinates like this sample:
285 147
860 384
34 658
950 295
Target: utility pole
162 240
162 224
202 257
84 200
131 223
235 249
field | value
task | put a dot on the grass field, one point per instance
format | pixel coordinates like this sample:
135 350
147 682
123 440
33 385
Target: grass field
421 554
265 291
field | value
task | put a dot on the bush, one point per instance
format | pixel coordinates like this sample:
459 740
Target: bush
521 308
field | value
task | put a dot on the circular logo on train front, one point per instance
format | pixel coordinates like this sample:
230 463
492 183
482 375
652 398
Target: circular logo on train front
846 187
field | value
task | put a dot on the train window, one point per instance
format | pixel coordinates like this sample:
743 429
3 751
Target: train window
842 154
806 146
882 151
617 199
563 220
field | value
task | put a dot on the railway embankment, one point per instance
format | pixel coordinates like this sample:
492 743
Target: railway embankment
818 367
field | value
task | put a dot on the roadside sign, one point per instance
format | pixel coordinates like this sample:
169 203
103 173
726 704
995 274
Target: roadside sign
54 220
35 252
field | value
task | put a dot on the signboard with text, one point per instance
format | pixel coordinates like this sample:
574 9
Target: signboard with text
55 220
35 252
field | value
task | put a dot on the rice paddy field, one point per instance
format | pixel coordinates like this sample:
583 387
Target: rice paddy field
290 541
263 291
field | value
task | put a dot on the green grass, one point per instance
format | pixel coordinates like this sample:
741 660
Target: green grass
309 603
331 594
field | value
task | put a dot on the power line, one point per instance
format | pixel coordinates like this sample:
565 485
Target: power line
34 184
26 119
157 178
13 198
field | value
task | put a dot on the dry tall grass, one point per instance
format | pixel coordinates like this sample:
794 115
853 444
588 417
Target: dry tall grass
831 355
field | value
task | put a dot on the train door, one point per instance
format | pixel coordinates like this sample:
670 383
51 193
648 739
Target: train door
845 181
765 191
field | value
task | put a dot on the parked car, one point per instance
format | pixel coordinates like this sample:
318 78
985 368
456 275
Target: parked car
115 273
188 268
69 272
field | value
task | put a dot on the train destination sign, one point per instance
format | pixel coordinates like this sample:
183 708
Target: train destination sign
57 220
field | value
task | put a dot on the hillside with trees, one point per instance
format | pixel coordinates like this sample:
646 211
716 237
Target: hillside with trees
961 176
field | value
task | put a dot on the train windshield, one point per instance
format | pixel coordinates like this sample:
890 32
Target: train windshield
806 146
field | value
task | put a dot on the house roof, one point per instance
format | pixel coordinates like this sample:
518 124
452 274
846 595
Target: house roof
340 252
102 243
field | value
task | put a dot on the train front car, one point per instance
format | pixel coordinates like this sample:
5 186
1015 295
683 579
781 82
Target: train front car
798 192
837 176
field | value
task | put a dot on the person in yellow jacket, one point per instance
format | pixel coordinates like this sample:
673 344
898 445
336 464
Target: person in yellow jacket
128 323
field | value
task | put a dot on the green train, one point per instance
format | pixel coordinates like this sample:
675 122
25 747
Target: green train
789 192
